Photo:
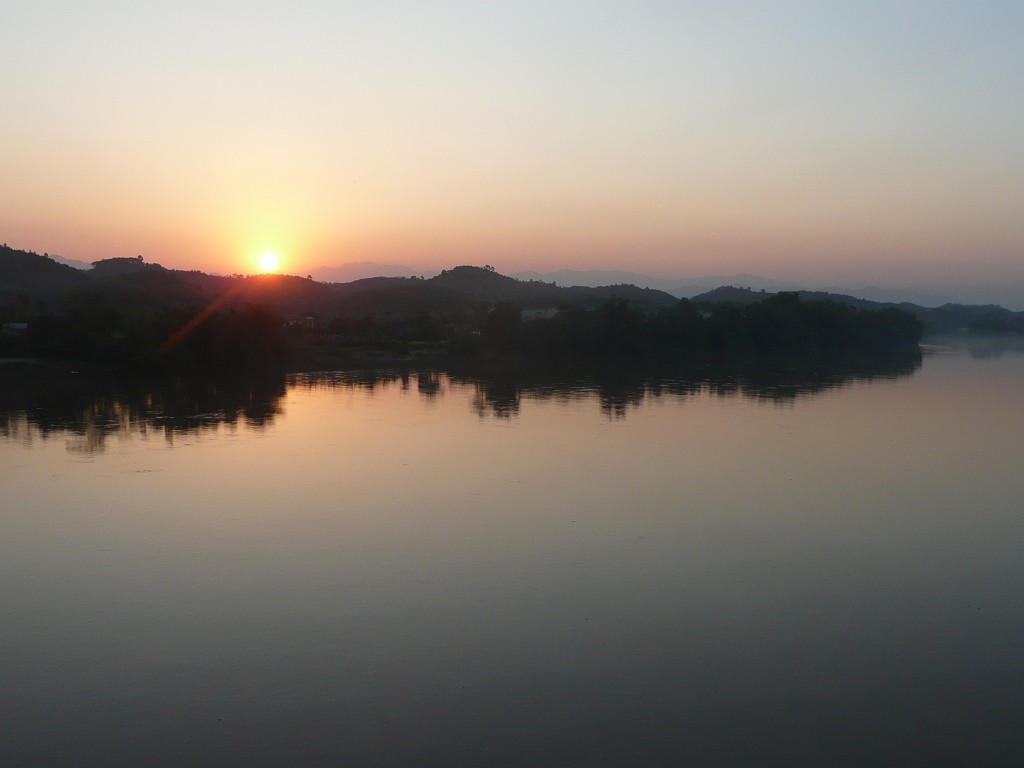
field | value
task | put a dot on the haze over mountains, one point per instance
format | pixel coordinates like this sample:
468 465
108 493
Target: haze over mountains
76 263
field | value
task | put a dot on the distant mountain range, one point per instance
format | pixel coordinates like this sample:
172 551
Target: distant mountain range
70 262
679 287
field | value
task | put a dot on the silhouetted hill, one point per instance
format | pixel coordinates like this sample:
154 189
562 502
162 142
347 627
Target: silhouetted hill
974 317
728 294
29 276
31 285
691 287
464 288
476 278
481 284
122 265
487 285
644 298
948 317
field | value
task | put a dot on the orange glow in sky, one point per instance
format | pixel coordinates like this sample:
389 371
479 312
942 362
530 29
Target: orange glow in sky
674 139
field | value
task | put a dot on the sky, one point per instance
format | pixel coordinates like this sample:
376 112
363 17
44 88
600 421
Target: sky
825 142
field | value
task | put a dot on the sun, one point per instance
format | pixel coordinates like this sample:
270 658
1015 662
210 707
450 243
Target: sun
269 261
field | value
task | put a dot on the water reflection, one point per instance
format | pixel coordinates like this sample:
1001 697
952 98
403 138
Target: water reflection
499 390
991 346
37 403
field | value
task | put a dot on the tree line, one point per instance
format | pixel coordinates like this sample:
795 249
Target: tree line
780 325
157 338
255 336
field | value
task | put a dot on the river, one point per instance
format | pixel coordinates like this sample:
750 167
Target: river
448 567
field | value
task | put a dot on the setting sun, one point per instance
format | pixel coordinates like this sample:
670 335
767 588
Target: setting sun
269 261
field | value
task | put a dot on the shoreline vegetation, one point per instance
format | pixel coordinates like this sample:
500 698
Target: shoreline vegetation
138 317
254 337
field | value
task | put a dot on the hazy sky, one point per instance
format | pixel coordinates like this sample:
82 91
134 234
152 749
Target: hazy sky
869 142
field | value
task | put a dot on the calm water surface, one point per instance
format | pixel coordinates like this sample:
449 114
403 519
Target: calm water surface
450 569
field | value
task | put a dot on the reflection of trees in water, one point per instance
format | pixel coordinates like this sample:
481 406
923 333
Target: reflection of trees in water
499 391
37 403
982 346
429 384
977 344
786 382
619 389
500 398
368 379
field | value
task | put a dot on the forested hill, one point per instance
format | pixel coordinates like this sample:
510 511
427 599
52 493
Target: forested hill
25 275
949 317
